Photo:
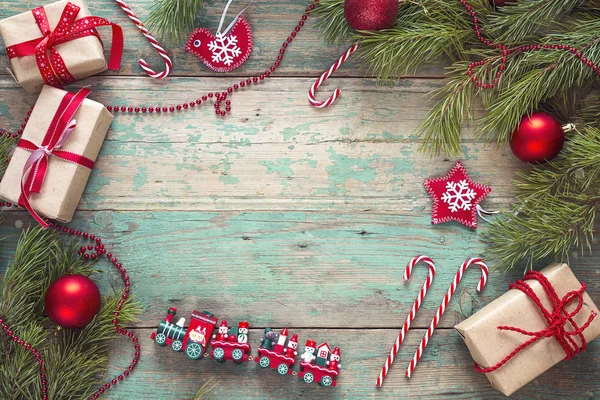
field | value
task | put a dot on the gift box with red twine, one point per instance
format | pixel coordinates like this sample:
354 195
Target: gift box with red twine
56 153
545 318
58 44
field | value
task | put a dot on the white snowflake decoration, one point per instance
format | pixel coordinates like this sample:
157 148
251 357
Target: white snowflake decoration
458 195
224 49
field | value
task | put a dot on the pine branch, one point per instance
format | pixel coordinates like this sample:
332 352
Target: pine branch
525 19
74 358
173 19
205 392
331 20
556 210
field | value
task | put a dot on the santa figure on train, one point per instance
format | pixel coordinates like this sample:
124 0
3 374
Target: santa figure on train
223 332
290 351
334 360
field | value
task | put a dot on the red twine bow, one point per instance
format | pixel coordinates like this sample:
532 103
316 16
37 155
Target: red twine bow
36 166
52 67
556 319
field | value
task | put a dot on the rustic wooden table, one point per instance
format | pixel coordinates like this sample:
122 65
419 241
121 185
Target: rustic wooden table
287 216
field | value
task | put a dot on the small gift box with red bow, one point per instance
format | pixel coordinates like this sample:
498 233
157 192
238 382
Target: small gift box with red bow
56 153
545 318
57 44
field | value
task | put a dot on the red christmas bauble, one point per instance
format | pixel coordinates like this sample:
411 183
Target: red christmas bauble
72 301
538 138
371 15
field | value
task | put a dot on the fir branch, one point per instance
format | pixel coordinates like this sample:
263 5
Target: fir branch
6 146
205 392
524 19
331 20
74 359
556 210
173 19
441 129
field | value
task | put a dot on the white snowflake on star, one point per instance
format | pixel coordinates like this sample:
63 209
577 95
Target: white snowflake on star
224 49
458 196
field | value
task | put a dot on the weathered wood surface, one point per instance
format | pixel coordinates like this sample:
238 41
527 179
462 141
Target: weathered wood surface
245 215
271 23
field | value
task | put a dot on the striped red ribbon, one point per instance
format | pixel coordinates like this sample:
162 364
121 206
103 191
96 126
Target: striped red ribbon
50 63
36 166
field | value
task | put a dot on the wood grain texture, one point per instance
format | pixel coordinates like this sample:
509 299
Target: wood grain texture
284 215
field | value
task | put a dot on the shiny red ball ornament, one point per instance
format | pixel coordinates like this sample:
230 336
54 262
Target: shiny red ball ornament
371 15
72 301
538 138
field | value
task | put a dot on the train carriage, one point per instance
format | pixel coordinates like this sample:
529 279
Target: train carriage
236 352
310 373
269 358
198 333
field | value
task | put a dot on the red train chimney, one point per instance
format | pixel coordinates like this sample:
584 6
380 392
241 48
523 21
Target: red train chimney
172 311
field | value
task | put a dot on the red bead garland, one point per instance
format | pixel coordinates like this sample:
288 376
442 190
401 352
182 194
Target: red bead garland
33 351
98 249
507 51
220 97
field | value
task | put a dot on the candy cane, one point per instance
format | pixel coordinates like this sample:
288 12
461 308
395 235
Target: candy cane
327 74
161 51
411 315
442 307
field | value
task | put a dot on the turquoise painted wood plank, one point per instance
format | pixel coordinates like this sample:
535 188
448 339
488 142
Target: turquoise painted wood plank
445 372
271 23
361 154
293 268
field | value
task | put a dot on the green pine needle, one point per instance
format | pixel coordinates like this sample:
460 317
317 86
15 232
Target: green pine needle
173 20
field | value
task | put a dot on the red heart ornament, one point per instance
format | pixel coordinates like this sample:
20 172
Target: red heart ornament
222 53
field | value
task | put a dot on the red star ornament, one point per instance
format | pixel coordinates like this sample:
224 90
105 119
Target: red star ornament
455 197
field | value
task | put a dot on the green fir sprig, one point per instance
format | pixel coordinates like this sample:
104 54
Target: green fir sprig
75 359
173 20
556 210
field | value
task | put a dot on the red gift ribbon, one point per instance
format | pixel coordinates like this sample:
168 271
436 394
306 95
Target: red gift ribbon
556 318
50 63
36 166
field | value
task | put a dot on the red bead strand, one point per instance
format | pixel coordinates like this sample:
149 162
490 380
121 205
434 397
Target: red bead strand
97 249
505 52
12 336
219 97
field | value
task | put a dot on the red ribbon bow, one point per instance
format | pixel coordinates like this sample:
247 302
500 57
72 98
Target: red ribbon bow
52 67
557 318
36 166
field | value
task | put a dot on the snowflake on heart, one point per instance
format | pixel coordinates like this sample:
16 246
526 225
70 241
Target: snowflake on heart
224 49
456 197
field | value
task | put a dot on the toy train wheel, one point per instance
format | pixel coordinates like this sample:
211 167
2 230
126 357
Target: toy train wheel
218 353
264 361
308 377
160 339
176 345
326 381
193 351
237 355
282 369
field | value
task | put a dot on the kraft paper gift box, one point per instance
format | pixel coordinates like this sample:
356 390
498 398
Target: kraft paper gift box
488 345
65 181
83 56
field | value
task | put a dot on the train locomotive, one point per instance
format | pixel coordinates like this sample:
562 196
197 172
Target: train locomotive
277 350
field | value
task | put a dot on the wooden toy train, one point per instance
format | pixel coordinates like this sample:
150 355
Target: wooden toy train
276 351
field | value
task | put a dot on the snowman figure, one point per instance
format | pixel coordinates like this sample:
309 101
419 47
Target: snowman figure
309 352
242 332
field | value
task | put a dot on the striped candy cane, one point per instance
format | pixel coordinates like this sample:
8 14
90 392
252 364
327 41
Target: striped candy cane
442 307
327 74
411 315
168 63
